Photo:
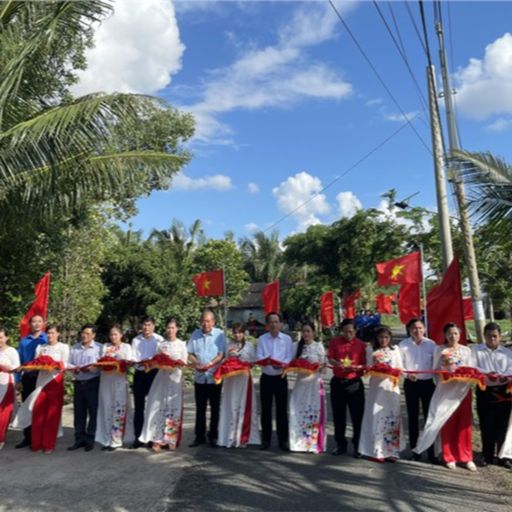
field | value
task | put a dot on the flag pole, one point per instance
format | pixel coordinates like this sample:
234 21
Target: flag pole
225 299
424 291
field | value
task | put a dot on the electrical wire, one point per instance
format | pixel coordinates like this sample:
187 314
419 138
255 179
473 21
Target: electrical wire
373 68
342 175
411 16
403 56
452 60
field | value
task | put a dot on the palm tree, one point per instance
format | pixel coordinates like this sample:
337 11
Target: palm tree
58 157
490 187
263 256
177 238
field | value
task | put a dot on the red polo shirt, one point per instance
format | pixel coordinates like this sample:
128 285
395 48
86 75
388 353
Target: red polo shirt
352 352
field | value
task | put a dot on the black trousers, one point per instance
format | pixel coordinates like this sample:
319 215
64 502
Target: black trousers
416 392
274 386
493 410
204 394
347 393
141 385
85 402
28 383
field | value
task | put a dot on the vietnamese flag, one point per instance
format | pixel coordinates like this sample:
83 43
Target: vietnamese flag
409 302
270 296
384 304
327 309
349 304
469 314
209 283
444 304
406 269
39 306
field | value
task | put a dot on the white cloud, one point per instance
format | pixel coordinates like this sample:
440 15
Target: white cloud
277 75
218 182
402 118
374 102
137 49
388 213
300 196
252 227
253 188
484 86
500 125
348 204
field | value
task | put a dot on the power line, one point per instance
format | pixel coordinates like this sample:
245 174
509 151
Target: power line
452 60
390 6
337 178
402 54
411 16
373 68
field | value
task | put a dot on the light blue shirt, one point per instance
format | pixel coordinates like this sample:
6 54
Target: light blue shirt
79 355
206 347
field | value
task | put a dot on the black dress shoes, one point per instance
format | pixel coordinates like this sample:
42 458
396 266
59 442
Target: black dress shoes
265 446
77 446
357 455
285 447
89 447
136 444
108 449
196 442
506 463
339 450
24 444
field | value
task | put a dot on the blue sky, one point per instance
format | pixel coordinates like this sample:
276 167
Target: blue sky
285 103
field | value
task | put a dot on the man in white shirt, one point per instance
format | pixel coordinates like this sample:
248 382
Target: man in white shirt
492 404
144 346
278 346
418 355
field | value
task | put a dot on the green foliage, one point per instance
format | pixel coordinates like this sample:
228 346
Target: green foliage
77 289
490 184
345 252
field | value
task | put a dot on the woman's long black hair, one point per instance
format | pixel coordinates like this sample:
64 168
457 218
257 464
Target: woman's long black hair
300 346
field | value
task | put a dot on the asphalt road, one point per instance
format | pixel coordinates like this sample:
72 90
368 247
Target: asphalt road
234 479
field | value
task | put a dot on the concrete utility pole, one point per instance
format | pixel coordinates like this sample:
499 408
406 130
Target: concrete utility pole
438 149
469 248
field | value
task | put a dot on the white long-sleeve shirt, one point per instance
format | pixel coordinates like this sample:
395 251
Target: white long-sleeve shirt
492 361
418 356
279 348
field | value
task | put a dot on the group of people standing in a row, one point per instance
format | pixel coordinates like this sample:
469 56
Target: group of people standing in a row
103 411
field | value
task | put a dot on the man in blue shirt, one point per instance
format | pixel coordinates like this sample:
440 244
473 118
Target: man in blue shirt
86 384
27 382
206 348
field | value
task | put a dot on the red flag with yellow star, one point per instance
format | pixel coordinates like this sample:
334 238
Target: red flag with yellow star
209 283
406 269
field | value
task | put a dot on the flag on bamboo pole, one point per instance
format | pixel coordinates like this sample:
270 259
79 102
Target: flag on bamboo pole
270 296
444 304
406 269
209 284
39 306
409 302
327 309
384 304
349 304
467 303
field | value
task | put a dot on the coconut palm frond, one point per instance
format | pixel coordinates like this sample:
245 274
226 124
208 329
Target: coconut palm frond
483 168
490 185
64 187
44 32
